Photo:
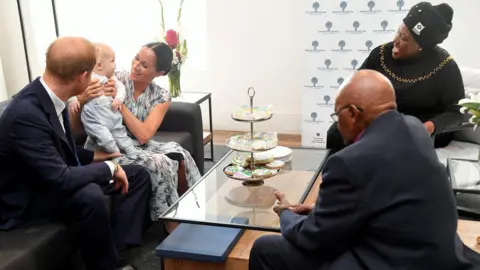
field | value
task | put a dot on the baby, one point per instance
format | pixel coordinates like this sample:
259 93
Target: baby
100 116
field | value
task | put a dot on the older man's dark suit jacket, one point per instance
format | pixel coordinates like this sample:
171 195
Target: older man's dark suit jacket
385 203
37 164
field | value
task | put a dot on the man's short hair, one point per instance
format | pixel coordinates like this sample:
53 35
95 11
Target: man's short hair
69 57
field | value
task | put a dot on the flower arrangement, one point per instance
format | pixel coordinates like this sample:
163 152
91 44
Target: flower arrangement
472 106
180 51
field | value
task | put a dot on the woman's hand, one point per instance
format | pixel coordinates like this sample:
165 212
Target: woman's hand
429 126
109 88
94 89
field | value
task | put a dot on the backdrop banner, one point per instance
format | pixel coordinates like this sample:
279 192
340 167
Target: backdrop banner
339 36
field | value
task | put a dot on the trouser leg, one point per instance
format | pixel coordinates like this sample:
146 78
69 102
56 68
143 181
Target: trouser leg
129 210
87 211
119 132
273 252
96 119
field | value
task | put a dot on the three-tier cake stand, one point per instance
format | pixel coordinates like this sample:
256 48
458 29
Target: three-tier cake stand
254 179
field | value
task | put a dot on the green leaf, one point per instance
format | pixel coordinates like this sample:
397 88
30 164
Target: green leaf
179 15
471 106
163 20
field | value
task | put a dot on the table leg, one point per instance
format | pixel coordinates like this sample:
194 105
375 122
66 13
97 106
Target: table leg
211 124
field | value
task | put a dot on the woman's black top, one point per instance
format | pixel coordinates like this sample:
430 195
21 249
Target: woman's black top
428 87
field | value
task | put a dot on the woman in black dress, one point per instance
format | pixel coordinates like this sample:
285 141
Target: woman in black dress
427 81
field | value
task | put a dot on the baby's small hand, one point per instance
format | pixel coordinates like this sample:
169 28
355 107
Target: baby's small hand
116 104
74 106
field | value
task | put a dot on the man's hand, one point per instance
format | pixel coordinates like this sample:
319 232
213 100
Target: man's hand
429 126
282 203
116 104
99 156
74 106
120 179
301 209
94 89
109 88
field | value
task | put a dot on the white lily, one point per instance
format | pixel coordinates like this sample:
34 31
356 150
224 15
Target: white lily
475 97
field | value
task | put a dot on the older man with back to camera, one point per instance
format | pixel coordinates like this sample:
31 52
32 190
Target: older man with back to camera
44 177
385 201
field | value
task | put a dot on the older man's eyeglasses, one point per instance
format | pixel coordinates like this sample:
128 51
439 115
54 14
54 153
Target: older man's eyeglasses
335 114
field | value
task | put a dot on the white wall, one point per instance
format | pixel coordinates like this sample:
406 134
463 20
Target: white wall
11 48
234 44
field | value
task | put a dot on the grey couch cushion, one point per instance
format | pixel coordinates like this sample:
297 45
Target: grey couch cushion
468 135
38 247
182 138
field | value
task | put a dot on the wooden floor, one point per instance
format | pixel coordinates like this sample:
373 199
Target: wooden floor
238 257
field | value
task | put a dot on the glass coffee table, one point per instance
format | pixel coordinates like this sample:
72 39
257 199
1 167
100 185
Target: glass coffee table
220 201
465 180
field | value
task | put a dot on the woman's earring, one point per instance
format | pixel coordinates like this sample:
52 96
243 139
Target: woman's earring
420 49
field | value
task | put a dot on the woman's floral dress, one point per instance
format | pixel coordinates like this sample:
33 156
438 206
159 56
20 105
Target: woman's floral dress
151 155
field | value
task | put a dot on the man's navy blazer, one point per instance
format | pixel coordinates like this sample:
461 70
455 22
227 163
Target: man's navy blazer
385 203
38 168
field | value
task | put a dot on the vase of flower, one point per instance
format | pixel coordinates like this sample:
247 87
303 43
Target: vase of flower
471 106
174 82
180 51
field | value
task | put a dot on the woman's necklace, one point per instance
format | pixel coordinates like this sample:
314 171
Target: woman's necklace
418 79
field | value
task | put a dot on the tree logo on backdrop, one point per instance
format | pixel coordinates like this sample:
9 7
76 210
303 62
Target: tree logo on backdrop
318 139
400 7
326 98
371 8
340 80
314 83
329 29
353 65
384 28
368 47
327 101
315 9
343 9
327 66
314 47
355 25
313 118
342 47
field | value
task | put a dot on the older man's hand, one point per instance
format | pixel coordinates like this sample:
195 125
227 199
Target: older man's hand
301 208
282 203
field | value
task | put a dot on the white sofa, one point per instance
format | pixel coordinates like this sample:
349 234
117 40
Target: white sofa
466 145
471 81
466 142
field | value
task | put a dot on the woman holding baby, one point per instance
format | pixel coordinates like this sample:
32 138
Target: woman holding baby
143 111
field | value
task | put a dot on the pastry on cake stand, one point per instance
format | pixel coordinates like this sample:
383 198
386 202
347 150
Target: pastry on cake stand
251 173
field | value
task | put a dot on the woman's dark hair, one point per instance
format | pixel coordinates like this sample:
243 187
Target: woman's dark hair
164 56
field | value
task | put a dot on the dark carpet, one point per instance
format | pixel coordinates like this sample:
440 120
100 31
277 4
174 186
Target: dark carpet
144 257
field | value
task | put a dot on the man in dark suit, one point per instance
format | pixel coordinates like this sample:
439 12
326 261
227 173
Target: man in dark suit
385 201
44 177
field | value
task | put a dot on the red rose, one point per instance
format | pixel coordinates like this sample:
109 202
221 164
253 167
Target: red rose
171 38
